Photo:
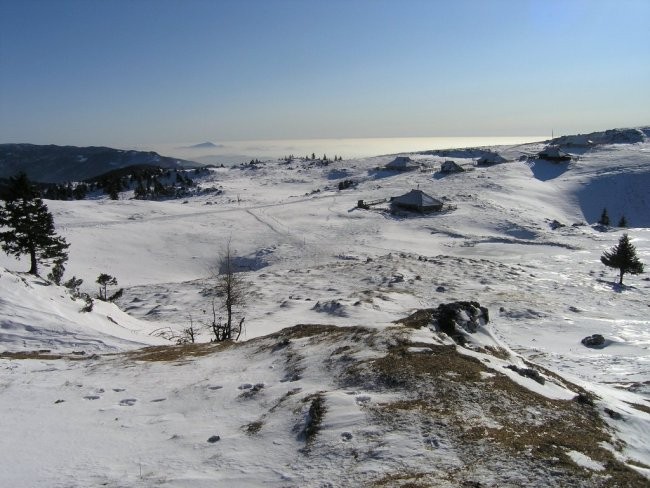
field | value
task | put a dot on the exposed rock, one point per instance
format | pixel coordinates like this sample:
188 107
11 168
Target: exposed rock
613 415
595 340
332 307
453 319
528 373
213 439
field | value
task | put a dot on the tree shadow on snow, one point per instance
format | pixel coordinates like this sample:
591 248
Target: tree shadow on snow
615 286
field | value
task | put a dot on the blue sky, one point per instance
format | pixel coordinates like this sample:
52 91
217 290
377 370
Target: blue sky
126 72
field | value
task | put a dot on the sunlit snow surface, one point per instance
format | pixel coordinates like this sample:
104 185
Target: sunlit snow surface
305 243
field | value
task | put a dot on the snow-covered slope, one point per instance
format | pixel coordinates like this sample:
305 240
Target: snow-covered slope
37 315
515 237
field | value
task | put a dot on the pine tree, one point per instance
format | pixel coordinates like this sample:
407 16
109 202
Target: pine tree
623 257
30 226
604 218
622 222
104 281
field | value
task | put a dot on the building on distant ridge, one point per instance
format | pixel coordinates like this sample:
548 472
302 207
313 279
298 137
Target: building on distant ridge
402 163
451 167
554 153
490 159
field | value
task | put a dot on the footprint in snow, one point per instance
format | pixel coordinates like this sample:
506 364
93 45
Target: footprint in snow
215 387
118 390
91 397
128 402
156 400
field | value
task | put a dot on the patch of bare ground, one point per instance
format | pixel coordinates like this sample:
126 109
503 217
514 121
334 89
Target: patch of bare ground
491 418
641 408
255 427
29 355
178 352
46 355
405 480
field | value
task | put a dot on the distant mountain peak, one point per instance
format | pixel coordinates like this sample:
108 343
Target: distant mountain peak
204 145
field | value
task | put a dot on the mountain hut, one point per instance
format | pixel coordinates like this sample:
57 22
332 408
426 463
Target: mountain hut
402 163
554 153
418 201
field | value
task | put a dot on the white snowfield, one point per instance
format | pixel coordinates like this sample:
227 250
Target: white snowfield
90 409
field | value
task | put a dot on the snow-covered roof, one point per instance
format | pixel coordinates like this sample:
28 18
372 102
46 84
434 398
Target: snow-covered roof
417 198
553 152
450 167
491 158
402 163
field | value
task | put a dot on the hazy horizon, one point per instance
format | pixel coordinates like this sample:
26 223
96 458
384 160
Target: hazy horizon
125 73
348 148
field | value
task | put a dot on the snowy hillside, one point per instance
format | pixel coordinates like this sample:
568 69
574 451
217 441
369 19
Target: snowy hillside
396 404
59 164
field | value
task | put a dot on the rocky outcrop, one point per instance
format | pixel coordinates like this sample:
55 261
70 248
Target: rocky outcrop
454 319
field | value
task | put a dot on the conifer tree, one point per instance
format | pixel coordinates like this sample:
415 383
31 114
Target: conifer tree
604 218
623 257
29 226
104 281
622 222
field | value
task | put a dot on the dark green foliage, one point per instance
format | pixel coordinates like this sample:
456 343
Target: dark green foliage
30 226
104 281
604 218
315 417
88 307
622 222
56 274
117 295
623 257
73 285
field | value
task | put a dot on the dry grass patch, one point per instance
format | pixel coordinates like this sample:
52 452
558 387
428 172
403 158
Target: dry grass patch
47 355
512 419
254 427
404 480
177 353
30 355
641 408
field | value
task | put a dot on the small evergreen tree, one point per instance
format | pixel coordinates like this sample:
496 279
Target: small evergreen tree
73 285
623 257
604 218
104 281
30 226
622 222
56 274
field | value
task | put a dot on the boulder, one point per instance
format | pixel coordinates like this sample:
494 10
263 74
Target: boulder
595 340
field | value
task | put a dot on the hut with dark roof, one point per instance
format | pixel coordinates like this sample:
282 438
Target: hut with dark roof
402 163
554 153
418 201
